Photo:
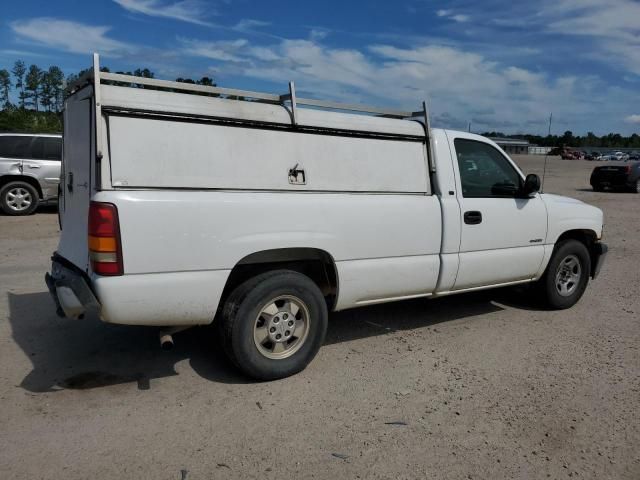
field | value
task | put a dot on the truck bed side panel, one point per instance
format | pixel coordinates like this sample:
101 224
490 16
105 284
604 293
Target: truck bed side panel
391 241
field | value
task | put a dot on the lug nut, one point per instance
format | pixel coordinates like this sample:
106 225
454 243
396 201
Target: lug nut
272 329
278 337
287 333
276 320
291 323
285 316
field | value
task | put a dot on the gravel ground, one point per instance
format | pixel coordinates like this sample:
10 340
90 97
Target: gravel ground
483 385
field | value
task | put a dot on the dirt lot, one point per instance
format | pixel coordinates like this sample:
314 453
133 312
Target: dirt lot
483 385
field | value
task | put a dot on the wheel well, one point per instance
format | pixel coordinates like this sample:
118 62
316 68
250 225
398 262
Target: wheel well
19 178
316 264
588 237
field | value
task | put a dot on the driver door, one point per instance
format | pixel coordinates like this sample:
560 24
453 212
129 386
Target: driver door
502 236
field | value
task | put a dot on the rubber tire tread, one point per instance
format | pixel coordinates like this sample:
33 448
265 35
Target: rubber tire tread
550 296
236 305
34 194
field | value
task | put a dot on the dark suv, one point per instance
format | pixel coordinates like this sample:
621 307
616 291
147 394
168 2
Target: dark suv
622 177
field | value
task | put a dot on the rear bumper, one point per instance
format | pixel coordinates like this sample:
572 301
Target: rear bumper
599 254
70 290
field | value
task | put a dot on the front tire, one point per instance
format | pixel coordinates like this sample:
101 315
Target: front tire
567 275
273 325
18 198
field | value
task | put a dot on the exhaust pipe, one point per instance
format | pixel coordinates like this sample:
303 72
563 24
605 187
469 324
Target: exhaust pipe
166 336
166 341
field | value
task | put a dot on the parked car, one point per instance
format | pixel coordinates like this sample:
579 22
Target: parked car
593 156
634 157
619 156
567 154
620 177
29 171
263 216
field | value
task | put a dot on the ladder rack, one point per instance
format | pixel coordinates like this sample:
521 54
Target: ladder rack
94 75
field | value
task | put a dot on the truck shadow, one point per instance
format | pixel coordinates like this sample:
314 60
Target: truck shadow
86 354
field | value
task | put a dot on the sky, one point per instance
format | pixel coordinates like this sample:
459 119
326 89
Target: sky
498 65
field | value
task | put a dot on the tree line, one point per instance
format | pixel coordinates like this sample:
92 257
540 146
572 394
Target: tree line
588 141
40 95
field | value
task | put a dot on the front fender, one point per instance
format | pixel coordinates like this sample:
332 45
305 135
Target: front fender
566 214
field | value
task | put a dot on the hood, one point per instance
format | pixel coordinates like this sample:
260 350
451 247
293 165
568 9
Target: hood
555 199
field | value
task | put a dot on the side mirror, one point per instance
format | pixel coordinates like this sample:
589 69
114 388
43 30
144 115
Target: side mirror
531 184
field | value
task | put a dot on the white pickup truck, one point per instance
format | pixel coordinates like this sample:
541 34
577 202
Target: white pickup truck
184 205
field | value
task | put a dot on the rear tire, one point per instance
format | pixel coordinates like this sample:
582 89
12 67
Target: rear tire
273 325
18 198
567 275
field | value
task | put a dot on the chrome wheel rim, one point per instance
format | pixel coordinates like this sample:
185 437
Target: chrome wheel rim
281 328
19 199
568 275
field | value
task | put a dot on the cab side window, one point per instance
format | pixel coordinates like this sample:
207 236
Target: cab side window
484 171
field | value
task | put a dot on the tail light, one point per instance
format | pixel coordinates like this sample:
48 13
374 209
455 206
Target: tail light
105 251
627 169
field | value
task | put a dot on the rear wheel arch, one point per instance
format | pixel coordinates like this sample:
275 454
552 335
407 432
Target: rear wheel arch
316 264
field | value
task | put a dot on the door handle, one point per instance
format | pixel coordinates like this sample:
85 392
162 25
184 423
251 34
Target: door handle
33 166
472 217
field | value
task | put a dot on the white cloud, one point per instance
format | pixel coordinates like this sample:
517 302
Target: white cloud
317 34
70 36
460 18
226 51
635 119
612 25
248 25
191 11
449 14
461 86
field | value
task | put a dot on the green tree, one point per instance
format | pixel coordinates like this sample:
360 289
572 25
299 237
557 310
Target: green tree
19 70
56 77
567 139
5 87
46 91
33 86
207 81
51 88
